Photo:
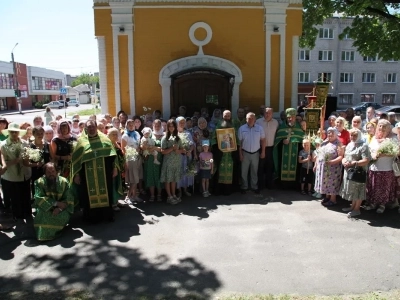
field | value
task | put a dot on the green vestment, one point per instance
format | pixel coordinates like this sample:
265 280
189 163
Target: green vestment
287 170
47 226
92 151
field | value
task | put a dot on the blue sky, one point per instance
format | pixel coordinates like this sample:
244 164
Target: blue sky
53 34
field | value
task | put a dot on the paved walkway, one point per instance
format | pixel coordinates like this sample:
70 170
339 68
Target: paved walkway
281 242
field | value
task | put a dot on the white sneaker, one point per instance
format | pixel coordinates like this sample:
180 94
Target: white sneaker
205 195
347 209
208 194
381 209
128 201
353 213
370 207
177 199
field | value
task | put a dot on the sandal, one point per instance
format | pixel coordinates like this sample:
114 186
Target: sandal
303 192
151 199
329 204
310 193
381 209
325 200
159 198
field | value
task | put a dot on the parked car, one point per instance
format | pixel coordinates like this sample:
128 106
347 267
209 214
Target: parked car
74 102
388 109
361 108
63 102
54 104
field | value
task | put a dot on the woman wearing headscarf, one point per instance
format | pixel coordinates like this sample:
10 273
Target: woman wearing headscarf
133 168
152 171
356 155
328 167
61 148
370 127
186 157
200 132
381 185
215 118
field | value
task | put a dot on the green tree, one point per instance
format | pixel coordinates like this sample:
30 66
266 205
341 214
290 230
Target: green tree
86 78
375 29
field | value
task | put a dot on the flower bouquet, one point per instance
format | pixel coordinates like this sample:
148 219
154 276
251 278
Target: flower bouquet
131 154
34 155
388 148
191 169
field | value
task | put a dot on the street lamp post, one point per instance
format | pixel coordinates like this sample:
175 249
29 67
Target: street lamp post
15 79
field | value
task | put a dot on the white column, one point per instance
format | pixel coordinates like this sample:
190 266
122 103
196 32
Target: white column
116 68
131 64
282 68
268 67
295 70
102 74
235 97
166 97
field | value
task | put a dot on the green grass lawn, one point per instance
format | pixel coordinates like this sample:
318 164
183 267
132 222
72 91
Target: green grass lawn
85 112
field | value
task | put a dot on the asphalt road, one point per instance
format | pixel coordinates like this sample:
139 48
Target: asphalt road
280 242
28 115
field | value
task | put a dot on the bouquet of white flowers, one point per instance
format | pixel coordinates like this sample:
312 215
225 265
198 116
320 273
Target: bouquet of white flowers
131 154
34 155
388 147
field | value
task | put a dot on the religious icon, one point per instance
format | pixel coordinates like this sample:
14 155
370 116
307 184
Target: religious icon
226 139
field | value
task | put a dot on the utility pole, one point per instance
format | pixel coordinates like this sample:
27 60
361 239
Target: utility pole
17 92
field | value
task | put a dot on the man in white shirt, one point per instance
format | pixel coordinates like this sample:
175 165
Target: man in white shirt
370 114
251 141
266 165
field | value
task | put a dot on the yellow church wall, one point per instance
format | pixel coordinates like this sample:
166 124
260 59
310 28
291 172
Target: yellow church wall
162 35
103 27
124 72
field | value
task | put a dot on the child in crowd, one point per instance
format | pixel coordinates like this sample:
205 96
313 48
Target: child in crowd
317 144
147 142
306 172
206 167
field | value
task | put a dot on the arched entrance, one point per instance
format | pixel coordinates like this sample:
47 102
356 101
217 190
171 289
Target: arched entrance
215 71
201 87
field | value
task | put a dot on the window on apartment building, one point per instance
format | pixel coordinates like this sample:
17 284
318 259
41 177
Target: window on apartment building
346 77
388 98
368 77
6 81
347 37
325 55
41 83
304 55
304 77
367 97
326 33
325 77
369 58
345 98
347 55
390 78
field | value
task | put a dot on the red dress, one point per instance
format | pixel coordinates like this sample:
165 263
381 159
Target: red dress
344 137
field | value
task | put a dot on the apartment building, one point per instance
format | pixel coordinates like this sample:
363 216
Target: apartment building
355 78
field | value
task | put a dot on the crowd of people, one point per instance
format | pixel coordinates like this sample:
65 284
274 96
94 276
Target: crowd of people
98 166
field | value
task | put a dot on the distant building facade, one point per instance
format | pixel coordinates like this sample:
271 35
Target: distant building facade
36 84
355 78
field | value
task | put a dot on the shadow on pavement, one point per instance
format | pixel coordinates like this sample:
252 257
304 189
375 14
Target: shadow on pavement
109 271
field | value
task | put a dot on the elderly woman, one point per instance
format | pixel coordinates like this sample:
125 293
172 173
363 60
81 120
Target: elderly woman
200 133
188 147
370 127
342 133
381 183
356 122
152 171
330 122
328 168
355 155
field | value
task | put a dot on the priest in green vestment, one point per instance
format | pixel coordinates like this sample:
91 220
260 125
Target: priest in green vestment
93 170
288 138
53 202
